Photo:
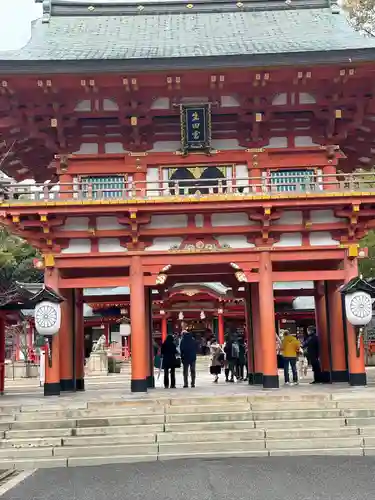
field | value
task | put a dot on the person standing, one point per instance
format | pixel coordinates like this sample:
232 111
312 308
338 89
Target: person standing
169 361
290 348
311 347
231 350
217 359
188 351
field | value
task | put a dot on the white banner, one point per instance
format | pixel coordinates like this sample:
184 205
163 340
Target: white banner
42 367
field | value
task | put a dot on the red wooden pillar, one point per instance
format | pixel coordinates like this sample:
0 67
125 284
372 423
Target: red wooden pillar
336 332
329 179
267 322
322 330
139 343
52 366
2 355
356 357
79 342
258 355
67 382
150 341
220 321
164 329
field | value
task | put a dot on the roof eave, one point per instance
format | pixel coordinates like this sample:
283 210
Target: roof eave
78 66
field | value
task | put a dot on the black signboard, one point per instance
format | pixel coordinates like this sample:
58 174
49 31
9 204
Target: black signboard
196 127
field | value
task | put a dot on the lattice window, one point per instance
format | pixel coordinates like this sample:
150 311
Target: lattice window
103 186
291 180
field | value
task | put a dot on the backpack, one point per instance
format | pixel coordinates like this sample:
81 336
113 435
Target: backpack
235 350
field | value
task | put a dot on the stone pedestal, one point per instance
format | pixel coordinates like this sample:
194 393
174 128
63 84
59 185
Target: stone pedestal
97 363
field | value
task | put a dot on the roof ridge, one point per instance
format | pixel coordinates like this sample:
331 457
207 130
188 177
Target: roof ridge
144 7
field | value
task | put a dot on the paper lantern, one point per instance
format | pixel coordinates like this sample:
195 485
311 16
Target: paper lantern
47 318
358 308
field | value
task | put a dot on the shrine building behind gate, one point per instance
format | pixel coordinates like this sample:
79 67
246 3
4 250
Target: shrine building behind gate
182 143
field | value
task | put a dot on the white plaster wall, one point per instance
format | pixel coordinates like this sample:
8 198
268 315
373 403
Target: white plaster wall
324 216
84 105
304 140
229 101
225 144
87 148
166 146
110 222
234 241
160 103
199 220
114 147
231 219
164 243
305 98
322 238
110 105
304 303
277 142
293 285
76 224
110 245
152 178
242 177
289 240
167 221
280 99
292 218
79 245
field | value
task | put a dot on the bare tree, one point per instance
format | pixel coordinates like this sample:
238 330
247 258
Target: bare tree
361 14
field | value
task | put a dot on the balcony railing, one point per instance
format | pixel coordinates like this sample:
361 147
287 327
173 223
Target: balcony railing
342 183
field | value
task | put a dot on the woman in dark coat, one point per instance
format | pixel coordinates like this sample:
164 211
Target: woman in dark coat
169 353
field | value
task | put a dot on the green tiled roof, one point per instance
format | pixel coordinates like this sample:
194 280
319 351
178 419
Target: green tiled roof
199 39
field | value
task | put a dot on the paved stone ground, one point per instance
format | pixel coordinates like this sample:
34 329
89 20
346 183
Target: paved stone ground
118 386
292 478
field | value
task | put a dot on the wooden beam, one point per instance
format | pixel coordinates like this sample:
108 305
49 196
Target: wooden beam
308 275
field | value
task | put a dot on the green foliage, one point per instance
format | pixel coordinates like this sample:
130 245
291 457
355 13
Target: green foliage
367 265
16 261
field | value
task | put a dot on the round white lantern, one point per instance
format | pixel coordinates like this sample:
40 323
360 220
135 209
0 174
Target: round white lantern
358 308
47 317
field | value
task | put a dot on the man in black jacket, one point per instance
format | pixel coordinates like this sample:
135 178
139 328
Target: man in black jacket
311 347
188 350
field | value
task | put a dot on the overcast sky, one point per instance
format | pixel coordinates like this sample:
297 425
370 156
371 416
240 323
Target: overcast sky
15 19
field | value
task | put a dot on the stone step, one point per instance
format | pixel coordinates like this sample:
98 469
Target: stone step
114 430
209 426
104 441
210 446
210 436
359 412
360 422
186 409
208 417
98 413
312 433
294 414
115 450
302 423
367 431
31 442
85 422
313 452
32 463
38 433
315 443
292 405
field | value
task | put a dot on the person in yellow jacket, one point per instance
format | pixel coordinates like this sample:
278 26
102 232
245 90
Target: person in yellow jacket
290 348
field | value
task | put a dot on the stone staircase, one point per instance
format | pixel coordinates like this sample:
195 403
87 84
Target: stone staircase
118 431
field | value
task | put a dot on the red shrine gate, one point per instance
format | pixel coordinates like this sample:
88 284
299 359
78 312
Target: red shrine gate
151 184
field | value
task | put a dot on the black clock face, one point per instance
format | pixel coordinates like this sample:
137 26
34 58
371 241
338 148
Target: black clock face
360 306
46 316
